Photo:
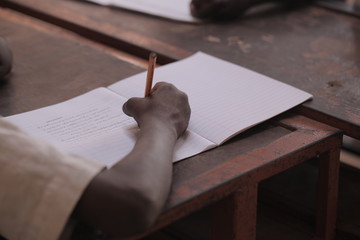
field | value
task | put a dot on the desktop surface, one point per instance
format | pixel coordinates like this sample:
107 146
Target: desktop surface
312 48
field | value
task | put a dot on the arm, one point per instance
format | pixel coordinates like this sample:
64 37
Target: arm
126 199
229 9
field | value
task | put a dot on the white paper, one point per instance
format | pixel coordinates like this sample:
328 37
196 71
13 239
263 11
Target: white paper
225 98
178 10
93 126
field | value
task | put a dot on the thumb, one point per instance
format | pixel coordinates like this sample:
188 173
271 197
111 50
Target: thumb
134 106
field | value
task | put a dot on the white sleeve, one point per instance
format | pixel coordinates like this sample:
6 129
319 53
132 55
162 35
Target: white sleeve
39 186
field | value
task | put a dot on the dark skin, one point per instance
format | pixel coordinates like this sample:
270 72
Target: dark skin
126 199
5 59
230 9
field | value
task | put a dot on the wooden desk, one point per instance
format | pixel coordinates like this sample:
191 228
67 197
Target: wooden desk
314 49
49 68
51 65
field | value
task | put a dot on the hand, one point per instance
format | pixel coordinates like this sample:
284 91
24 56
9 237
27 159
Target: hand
5 59
220 9
229 9
166 105
145 173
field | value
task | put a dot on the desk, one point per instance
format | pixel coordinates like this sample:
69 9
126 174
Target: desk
52 65
48 69
314 49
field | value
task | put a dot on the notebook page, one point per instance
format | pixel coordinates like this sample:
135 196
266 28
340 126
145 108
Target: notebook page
178 10
93 126
225 98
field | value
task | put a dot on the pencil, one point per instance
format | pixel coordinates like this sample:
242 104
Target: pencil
150 73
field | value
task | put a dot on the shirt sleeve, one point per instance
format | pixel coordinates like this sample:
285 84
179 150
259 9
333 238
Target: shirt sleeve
39 185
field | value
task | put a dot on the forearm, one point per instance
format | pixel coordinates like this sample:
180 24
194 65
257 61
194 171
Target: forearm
127 198
148 168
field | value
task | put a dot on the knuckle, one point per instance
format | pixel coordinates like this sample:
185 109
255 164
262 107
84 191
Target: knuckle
168 87
183 97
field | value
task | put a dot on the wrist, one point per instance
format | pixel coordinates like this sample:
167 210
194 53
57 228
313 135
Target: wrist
157 126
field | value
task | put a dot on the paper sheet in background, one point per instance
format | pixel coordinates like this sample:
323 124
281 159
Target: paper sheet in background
178 10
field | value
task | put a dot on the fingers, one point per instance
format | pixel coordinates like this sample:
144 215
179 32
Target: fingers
166 105
134 106
220 9
203 9
160 85
5 59
230 9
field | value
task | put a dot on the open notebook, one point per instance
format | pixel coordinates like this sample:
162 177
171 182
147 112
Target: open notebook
178 10
225 99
